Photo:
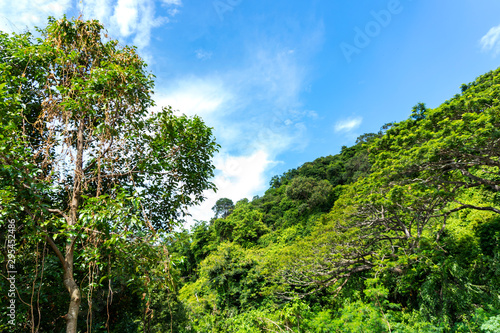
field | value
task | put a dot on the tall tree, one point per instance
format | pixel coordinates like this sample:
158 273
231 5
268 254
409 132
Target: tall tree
78 138
223 207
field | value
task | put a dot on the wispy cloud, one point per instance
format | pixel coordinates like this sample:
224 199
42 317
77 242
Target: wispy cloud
203 55
19 15
101 10
130 21
255 105
491 41
347 125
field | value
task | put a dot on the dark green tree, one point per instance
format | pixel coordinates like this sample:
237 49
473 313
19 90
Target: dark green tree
222 208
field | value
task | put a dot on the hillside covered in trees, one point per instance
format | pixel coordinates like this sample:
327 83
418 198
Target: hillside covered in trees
398 233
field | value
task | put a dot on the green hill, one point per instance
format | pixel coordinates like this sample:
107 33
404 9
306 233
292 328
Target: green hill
399 232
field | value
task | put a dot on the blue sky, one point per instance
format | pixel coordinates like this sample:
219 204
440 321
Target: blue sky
285 82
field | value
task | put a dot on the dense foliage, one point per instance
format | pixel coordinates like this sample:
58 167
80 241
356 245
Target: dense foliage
398 233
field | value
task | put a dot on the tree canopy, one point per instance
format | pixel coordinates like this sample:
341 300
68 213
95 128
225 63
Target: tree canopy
87 167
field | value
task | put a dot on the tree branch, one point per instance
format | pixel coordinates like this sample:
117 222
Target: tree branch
56 250
58 211
464 206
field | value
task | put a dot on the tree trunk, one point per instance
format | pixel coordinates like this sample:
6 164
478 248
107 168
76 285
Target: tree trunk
74 292
69 281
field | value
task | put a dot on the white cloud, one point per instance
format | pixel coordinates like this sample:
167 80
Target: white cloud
491 41
347 125
196 96
146 23
126 16
16 16
242 176
136 19
101 10
238 177
130 21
